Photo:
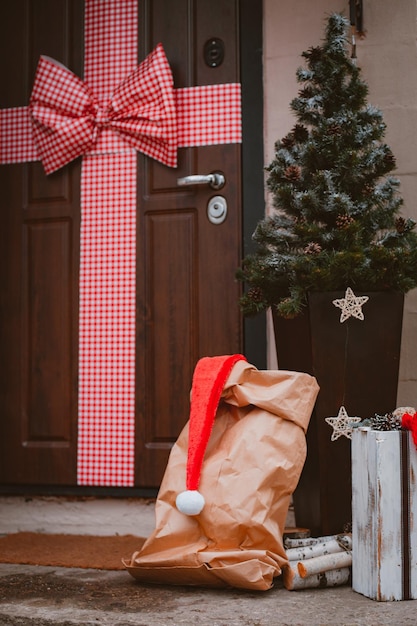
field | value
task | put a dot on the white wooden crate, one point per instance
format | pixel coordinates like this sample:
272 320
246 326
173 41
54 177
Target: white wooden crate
384 514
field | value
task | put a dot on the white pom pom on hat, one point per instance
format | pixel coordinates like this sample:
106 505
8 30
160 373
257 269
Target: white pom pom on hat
210 376
190 502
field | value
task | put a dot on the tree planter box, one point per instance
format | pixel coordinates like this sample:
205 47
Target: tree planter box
356 365
384 507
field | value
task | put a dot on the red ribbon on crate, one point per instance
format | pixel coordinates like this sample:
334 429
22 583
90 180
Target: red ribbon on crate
409 422
118 108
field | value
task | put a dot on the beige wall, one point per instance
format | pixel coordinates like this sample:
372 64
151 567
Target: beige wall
388 58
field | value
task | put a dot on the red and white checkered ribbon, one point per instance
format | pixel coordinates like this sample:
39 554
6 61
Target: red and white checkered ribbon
108 141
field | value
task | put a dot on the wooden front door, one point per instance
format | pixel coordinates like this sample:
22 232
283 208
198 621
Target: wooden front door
187 294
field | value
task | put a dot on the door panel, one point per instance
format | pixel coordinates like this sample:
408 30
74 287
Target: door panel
187 292
39 248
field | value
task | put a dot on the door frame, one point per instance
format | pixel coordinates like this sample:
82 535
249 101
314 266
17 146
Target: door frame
251 74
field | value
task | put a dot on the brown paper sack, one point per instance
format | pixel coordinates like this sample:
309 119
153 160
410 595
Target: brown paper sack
252 465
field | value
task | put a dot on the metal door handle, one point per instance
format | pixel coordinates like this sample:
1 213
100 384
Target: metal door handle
216 180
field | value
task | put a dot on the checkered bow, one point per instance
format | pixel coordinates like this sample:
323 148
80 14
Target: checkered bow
68 120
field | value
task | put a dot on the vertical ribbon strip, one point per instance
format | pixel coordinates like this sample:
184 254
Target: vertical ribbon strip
106 409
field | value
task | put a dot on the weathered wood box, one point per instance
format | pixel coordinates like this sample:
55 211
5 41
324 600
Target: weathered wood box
384 514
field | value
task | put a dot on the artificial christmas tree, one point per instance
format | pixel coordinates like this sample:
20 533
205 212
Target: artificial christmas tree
337 221
336 239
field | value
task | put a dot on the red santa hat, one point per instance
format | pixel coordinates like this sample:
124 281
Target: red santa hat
210 376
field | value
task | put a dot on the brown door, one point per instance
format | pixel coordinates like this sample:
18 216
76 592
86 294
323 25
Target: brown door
187 295
187 292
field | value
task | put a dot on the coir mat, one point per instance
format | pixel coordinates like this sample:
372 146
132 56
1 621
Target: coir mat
83 551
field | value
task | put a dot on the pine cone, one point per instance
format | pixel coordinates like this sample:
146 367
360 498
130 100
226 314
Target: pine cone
255 294
344 221
367 189
389 159
389 421
293 173
300 133
400 224
334 129
299 219
288 141
306 92
314 53
312 248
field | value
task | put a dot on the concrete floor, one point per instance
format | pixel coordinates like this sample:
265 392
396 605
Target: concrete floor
47 596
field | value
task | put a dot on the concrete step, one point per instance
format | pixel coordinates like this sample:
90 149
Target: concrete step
77 516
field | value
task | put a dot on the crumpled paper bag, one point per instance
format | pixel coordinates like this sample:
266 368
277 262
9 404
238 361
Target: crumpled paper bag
252 465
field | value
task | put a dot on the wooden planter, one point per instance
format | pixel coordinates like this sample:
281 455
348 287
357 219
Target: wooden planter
384 508
356 365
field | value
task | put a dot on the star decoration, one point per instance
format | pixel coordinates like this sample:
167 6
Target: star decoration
342 424
351 305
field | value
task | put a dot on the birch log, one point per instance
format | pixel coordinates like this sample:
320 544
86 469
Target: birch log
320 564
307 541
333 578
319 549
345 541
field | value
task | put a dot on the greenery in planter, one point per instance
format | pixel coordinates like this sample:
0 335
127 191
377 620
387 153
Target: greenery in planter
336 221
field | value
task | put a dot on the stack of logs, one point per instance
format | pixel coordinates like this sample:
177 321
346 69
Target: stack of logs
318 561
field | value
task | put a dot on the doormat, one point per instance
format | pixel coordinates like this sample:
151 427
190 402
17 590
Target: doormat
83 551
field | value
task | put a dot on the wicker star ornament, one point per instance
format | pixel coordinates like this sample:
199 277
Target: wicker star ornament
351 305
342 424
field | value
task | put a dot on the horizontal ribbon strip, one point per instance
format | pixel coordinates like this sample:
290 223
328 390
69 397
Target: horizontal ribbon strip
193 112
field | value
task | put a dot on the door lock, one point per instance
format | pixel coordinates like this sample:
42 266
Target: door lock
214 52
217 209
